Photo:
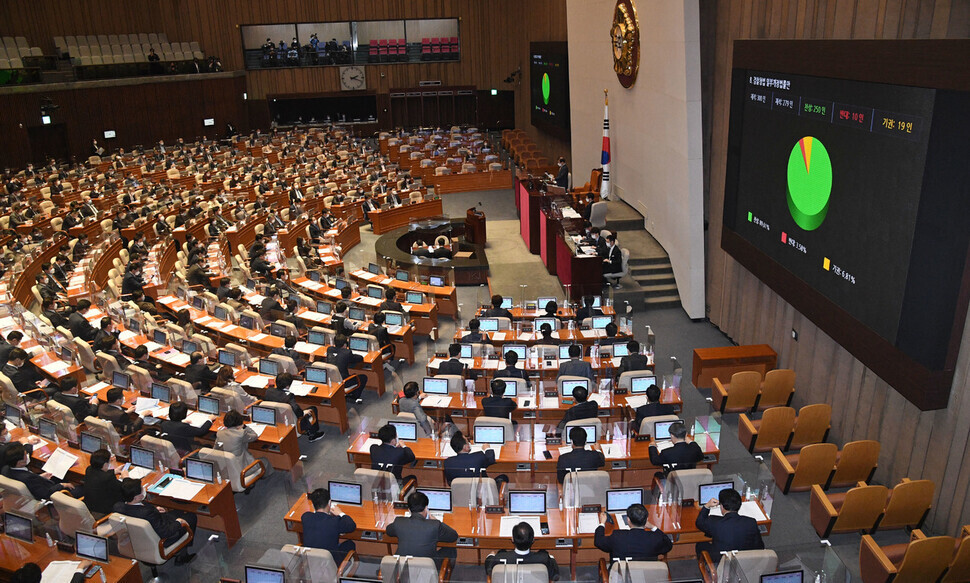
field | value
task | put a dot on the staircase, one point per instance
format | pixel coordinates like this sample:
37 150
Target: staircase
64 73
650 282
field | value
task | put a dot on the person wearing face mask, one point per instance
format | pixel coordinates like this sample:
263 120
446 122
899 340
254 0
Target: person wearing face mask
562 177
41 486
23 377
6 444
613 261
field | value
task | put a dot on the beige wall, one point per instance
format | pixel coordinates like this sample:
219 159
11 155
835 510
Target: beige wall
915 444
655 126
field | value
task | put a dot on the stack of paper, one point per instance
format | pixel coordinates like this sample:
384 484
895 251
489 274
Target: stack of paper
257 337
749 508
196 419
662 444
508 522
588 521
93 389
498 336
152 347
60 571
611 450
59 463
55 367
179 358
550 402
369 442
300 389
137 473
636 401
126 335
182 489
526 402
305 347
259 428
439 401
143 404
482 447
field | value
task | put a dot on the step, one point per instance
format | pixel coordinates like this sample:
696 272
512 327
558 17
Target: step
654 279
659 290
668 301
640 270
652 261
620 225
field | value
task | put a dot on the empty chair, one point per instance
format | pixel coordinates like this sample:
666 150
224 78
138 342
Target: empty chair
474 490
773 430
240 477
740 395
519 573
921 560
456 383
909 503
811 426
416 570
586 487
165 452
107 432
16 497
597 214
797 472
750 564
777 389
184 392
960 567
484 421
72 514
633 572
382 482
687 481
140 542
318 564
856 462
857 510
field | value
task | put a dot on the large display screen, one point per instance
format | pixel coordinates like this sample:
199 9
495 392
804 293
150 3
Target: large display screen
549 80
848 197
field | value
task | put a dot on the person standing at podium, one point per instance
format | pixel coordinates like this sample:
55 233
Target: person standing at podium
562 177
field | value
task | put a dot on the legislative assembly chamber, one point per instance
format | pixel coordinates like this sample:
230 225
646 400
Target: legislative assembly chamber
617 291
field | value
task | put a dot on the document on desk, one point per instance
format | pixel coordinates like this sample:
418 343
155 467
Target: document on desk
300 389
482 447
526 402
59 463
126 335
394 329
636 401
178 358
144 403
435 363
256 382
549 402
569 448
499 336
152 346
509 522
526 336
620 521
588 521
611 450
439 401
257 337
600 399
369 442
196 419
662 444
182 489
55 367
168 300
137 473
749 508
305 347
311 315
59 571
258 428
490 364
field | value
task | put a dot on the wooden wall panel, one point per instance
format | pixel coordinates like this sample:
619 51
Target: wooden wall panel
934 444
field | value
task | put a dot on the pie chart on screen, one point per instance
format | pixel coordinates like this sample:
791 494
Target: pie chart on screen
809 183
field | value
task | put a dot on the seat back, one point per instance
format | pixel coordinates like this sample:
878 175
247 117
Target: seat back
570 378
72 514
776 427
333 373
63 417
406 418
141 378
228 400
638 572
778 388
88 360
242 355
106 431
960 566
284 413
861 508
470 490
309 565
413 570
456 383
228 465
137 540
184 391
286 364
647 423
16 497
626 378
587 487
496 422
812 425
164 449
687 481
597 214
380 481
926 559
856 463
909 502
743 390
570 424
815 465
749 564
109 365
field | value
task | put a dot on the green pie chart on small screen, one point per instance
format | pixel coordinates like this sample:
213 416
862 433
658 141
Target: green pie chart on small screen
545 88
809 183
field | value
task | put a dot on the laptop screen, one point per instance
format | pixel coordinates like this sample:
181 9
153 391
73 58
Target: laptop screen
47 428
661 429
356 314
489 324
414 298
277 330
401 275
406 431
706 492
220 313
198 302
67 355
527 502
374 268
264 415
590 432
639 385
18 527
597 301
324 307
314 276
315 374
255 574
227 358
520 350
134 326
91 547
120 380
507 302
568 386
199 470
143 458
600 322
542 302
340 283
513 386
12 414
247 322
620 349
433 386
188 347
436 281
161 392
564 351
393 319
375 292
439 499
621 499
90 442
159 337
540 321
316 337
269 367
786 577
466 351
357 343
208 405
494 434
345 492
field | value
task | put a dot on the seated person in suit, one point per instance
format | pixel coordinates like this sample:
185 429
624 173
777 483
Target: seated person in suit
498 405
522 537
547 340
390 455
102 488
552 310
683 455
343 358
390 302
307 417
78 325
475 335
110 346
181 434
23 376
640 543
198 373
576 366
410 403
633 361
13 341
586 311
41 486
454 365
107 329
497 311
465 464
154 369
69 397
730 532
6 444
167 525
288 349
235 438
32 573
49 310
579 459
583 409
378 330
418 535
126 421
322 527
653 408
510 370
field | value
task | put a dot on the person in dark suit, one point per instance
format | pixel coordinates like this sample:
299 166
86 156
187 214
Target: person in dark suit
155 370
390 455
465 464
730 532
682 455
613 261
13 341
498 405
198 372
586 311
6 444
583 409
105 331
454 365
342 357
547 340
78 325
307 417
112 347
181 434
288 349
322 527
562 177
390 302
102 488
377 330
475 335
522 537
418 536
197 275
497 311
637 544
132 281
24 378
49 310
510 370
32 573
576 366
580 458
633 361
69 397
40 485
124 420
393 199
653 408
169 525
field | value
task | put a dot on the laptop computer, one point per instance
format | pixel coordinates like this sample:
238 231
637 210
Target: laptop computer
345 492
527 501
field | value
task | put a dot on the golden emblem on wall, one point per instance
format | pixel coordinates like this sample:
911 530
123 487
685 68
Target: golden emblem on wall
625 39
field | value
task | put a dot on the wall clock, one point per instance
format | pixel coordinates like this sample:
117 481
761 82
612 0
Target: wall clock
625 40
352 78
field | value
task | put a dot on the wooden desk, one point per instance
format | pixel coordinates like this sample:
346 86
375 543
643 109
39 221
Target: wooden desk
445 297
586 338
722 362
330 400
14 554
384 221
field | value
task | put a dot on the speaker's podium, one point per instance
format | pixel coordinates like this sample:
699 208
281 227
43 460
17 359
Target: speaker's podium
475 226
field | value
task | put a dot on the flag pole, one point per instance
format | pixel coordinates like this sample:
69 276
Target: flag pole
605 158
